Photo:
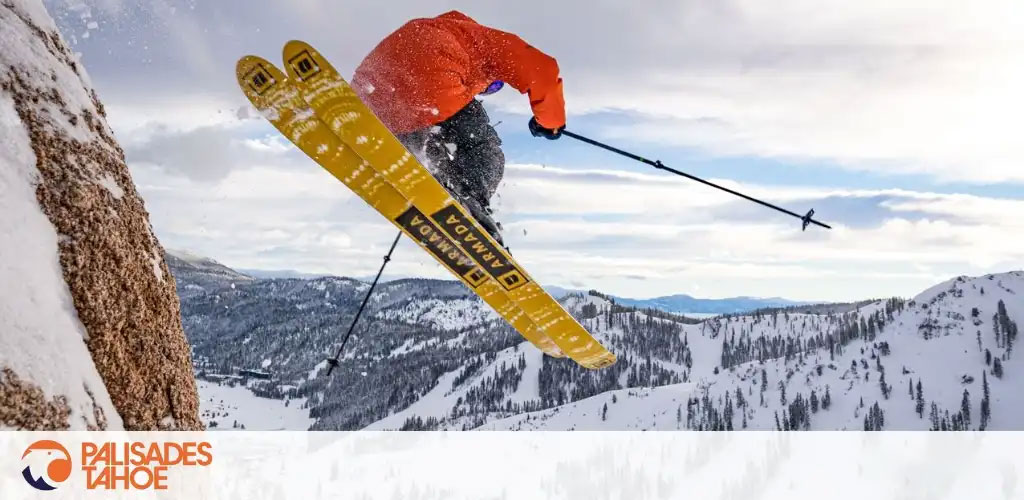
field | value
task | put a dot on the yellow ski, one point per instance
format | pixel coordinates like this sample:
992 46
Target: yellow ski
338 106
277 98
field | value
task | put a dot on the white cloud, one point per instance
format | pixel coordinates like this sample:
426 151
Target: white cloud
545 190
298 217
137 120
912 87
889 242
919 86
210 152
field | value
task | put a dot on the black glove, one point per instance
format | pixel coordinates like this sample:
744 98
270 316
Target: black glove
538 130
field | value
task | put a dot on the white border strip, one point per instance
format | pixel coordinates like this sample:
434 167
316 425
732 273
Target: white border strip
584 465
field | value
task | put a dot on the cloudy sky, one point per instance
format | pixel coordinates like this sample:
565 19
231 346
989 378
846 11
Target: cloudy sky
899 122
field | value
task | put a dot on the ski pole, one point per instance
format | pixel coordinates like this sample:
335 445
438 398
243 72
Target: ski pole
333 362
807 218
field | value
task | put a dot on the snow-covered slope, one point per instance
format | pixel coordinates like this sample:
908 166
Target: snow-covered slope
939 339
444 314
640 408
429 355
235 407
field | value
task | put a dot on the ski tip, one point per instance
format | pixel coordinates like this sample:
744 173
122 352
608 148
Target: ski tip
256 76
301 60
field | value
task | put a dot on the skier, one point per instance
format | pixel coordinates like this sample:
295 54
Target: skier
422 82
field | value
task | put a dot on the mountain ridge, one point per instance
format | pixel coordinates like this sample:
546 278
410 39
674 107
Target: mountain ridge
430 355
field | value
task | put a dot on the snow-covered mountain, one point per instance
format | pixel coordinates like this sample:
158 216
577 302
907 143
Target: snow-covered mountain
429 355
947 344
686 304
682 303
195 273
281 274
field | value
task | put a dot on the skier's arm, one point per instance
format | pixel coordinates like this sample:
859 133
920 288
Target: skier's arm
508 58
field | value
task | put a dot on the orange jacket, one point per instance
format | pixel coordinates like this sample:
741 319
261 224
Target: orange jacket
430 68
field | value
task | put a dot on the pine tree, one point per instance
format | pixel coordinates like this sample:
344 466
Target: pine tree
996 324
826 402
1010 329
778 426
879 416
997 368
814 402
875 418
910 388
919 406
884 386
689 413
986 410
965 409
934 416
728 413
604 412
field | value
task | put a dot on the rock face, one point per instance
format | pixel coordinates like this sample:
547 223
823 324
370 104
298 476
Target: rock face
121 293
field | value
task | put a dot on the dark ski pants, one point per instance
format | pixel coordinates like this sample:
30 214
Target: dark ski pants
464 152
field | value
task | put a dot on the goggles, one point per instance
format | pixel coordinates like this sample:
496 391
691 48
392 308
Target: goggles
493 87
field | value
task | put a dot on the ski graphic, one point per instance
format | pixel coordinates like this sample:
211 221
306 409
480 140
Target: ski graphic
338 106
279 101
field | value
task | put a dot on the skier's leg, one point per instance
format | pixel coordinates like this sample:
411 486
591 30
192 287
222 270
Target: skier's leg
477 161
464 154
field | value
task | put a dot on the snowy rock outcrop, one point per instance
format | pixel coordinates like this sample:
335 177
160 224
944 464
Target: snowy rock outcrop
90 331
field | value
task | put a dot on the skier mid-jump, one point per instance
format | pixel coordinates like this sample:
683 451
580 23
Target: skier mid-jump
422 82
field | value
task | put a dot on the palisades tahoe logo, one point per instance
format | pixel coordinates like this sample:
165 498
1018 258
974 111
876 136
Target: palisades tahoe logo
47 463
132 465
